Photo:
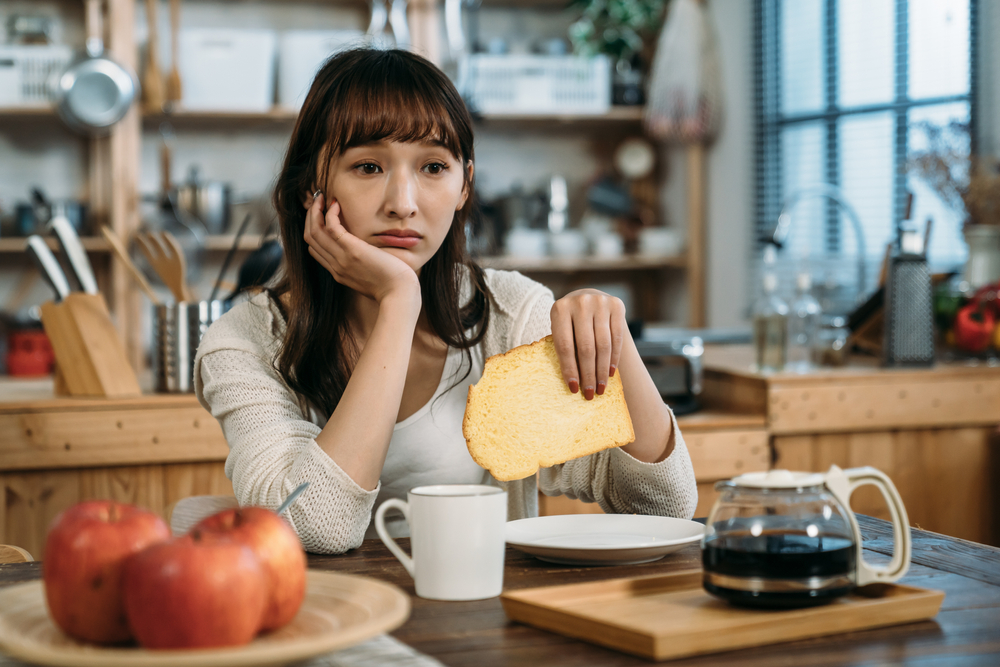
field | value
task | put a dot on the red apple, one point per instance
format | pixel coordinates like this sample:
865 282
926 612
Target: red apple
196 591
278 548
85 552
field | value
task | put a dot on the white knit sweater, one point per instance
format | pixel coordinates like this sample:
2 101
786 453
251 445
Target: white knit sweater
271 430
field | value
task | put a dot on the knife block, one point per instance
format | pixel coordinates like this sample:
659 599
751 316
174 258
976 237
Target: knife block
89 355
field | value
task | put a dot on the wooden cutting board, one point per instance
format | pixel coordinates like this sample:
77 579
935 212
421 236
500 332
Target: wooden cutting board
671 616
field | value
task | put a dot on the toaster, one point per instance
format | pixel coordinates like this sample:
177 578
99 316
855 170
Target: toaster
673 358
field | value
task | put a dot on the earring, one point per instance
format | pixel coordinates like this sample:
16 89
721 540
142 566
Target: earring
317 194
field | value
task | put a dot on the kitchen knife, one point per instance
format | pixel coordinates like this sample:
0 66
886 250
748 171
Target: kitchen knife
74 252
48 265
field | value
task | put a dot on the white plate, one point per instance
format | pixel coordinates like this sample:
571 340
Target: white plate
601 539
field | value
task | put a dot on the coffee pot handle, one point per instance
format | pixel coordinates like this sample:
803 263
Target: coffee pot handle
843 483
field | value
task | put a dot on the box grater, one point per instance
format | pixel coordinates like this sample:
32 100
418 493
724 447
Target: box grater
909 319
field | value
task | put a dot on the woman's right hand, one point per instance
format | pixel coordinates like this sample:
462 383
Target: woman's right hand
352 262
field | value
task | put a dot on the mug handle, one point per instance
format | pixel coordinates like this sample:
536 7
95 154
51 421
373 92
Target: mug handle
383 534
843 483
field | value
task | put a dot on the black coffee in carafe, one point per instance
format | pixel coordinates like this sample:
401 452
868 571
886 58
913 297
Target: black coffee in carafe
778 569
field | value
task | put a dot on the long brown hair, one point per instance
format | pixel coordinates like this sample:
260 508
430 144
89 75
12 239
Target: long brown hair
359 97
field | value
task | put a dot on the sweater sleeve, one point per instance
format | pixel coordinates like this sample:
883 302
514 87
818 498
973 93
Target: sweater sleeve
615 480
272 450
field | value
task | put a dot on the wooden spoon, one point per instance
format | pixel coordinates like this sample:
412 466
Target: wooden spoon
166 257
118 247
152 80
174 89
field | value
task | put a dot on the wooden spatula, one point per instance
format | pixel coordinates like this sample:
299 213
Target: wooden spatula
119 249
166 257
174 87
153 91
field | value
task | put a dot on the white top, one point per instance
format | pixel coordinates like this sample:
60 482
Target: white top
271 431
426 448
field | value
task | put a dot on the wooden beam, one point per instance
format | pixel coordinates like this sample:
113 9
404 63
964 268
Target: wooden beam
696 233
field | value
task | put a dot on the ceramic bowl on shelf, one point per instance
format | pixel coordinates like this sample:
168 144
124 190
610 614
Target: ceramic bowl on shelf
659 241
568 243
527 243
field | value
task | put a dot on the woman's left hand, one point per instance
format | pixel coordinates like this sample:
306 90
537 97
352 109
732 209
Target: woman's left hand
588 329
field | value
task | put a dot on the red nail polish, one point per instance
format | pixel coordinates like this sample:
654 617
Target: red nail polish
612 372
574 386
588 393
600 388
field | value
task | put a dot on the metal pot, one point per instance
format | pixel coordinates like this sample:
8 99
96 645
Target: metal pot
95 92
209 201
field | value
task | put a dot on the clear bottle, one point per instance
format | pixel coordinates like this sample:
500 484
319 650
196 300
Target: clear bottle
770 327
803 325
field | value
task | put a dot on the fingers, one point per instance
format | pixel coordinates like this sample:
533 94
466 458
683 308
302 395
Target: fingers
562 337
618 327
586 350
602 343
334 226
588 329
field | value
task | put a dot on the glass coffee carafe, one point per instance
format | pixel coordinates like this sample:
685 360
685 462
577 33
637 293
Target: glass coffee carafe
789 539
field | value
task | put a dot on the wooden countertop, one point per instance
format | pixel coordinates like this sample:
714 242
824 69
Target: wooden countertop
862 396
30 395
737 360
478 633
40 431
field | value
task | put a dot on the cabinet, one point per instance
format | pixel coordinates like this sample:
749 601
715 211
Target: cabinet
114 164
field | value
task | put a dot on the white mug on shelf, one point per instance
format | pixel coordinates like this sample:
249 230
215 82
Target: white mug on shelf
655 241
456 538
527 243
568 243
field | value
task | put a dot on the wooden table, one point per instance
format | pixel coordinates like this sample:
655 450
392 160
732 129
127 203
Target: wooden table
965 632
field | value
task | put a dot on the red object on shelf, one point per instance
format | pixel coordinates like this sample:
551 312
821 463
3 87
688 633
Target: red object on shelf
29 354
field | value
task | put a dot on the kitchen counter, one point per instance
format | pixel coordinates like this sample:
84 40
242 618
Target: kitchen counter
861 395
932 430
56 451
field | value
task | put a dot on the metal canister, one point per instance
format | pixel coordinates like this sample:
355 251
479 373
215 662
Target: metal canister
178 329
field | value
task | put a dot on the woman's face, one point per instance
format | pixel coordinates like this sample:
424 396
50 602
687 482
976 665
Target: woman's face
399 196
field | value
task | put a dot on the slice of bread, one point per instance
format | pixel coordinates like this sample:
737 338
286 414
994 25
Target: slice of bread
521 415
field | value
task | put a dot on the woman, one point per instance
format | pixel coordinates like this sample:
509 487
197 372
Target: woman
352 373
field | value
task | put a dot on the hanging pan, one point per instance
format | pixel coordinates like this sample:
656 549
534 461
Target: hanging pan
95 92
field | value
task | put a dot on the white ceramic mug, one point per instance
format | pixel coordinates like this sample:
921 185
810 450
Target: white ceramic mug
456 537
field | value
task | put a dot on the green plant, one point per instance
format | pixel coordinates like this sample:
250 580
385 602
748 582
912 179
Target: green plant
618 28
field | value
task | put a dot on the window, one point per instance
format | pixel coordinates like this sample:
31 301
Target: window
846 90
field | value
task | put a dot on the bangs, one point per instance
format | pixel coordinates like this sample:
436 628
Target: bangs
391 102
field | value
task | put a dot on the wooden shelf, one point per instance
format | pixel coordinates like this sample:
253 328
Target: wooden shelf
283 115
579 264
96 244
28 112
617 114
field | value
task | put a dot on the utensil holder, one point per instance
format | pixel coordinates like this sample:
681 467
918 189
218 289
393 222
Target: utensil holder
178 329
90 357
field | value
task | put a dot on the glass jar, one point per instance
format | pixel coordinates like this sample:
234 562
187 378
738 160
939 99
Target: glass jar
831 343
